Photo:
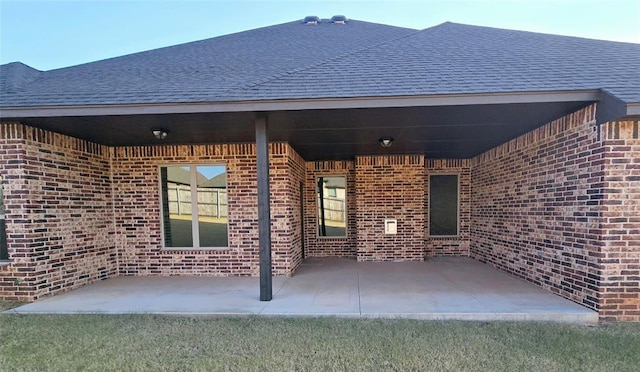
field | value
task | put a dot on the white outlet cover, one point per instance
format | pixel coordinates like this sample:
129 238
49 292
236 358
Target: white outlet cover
390 226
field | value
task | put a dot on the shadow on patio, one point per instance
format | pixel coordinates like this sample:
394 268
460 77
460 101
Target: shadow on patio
440 288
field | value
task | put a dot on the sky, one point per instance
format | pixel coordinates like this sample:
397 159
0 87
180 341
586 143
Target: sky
53 34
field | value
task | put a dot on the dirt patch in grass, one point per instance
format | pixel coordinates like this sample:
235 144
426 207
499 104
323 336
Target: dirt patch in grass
160 343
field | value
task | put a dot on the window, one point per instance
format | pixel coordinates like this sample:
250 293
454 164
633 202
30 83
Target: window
443 205
332 206
194 206
4 253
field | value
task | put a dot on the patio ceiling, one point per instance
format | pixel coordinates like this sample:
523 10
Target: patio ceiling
452 131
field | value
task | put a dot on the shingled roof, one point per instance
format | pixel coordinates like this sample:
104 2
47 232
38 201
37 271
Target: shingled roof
332 90
459 59
356 59
202 71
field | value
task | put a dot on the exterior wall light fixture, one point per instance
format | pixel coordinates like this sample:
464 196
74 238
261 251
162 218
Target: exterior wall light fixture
160 133
386 142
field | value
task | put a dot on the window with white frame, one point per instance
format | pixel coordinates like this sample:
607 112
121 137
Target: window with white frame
194 206
444 205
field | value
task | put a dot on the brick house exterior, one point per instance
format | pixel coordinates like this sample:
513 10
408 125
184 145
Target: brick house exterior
557 204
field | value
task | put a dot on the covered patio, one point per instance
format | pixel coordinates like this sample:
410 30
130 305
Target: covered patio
441 288
424 150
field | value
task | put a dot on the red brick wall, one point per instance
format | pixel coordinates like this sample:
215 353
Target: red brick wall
620 263
329 246
558 206
59 212
137 210
291 203
450 246
78 212
390 187
535 207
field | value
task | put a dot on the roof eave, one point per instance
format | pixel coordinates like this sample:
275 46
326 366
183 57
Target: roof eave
611 108
593 95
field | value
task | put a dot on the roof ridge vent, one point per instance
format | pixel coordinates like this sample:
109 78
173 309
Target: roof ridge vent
339 19
311 20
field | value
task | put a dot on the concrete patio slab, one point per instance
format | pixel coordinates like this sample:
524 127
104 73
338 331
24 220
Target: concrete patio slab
440 288
321 287
160 295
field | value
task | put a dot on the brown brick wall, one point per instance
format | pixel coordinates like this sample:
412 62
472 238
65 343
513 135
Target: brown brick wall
327 246
59 212
390 187
558 206
293 204
78 212
535 207
137 210
620 286
450 246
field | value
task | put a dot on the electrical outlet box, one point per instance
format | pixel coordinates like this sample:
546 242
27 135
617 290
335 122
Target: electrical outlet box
390 226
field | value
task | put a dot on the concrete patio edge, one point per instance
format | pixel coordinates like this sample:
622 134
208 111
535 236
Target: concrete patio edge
441 289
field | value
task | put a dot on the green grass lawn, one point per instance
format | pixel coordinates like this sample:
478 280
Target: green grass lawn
166 343
5 305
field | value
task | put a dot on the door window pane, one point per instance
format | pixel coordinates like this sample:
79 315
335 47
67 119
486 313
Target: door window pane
443 205
4 253
332 206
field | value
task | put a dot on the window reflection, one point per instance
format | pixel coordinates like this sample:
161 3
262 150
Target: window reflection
332 206
212 206
189 191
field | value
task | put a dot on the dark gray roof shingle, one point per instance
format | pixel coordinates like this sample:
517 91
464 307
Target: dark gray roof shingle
15 76
459 59
203 70
358 59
